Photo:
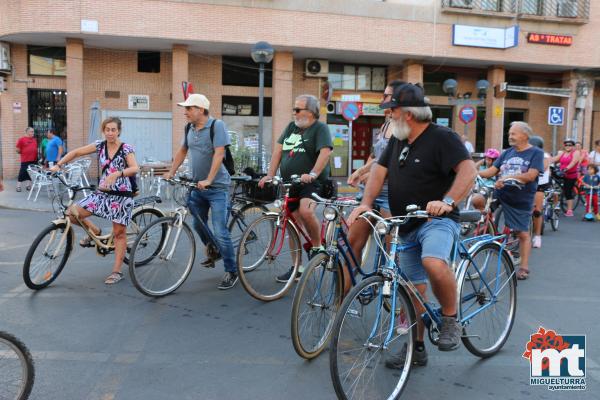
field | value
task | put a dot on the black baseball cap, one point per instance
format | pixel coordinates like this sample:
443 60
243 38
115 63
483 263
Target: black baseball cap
406 95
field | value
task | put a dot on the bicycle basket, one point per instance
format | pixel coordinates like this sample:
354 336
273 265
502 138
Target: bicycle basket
267 194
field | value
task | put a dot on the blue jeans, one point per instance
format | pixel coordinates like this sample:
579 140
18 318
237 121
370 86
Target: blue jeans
217 200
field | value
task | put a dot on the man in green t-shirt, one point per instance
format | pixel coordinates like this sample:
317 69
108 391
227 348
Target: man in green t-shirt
303 149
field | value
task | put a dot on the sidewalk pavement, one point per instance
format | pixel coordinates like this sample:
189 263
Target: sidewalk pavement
10 198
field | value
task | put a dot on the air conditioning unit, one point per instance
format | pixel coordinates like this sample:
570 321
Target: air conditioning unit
316 68
567 8
5 58
331 107
461 3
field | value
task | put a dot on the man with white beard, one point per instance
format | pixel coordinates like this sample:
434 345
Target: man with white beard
427 165
303 149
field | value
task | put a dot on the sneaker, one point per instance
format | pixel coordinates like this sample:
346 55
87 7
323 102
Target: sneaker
284 278
397 362
229 281
450 334
569 213
536 242
314 251
212 256
597 217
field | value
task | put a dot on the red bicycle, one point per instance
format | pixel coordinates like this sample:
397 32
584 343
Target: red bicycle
270 246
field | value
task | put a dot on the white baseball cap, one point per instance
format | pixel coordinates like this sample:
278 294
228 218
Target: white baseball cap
196 100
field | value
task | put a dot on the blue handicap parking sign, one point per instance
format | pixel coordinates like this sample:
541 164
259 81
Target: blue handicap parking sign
556 116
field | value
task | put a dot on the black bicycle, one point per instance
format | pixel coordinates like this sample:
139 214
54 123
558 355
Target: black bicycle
17 372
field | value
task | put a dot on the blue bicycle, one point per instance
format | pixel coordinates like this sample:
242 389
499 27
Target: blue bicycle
366 331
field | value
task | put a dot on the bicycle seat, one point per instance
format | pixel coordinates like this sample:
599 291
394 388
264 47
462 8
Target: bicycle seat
470 216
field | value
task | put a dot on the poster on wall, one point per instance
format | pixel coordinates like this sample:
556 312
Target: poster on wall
339 159
139 102
443 122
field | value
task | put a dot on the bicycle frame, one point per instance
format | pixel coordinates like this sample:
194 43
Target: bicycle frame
432 316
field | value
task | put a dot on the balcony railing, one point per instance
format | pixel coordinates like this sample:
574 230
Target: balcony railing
577 11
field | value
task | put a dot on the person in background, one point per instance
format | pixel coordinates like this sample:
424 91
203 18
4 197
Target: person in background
27 149
569 159
591 179
538 200
491 154
42 150
584 158
468 145
54 148
594 156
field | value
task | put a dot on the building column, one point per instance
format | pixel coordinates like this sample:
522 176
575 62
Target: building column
588 115
394 72
76 111
282 96
569 80
494 110
180 73
413 72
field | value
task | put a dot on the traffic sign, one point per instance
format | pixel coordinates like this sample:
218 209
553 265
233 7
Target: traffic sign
466 114
556 116
350 110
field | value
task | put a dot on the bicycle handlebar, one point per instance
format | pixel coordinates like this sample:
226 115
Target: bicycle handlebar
61 177
335 202
183 182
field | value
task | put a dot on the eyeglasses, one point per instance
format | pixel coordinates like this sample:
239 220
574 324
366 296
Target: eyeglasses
296 110
403 156
568 145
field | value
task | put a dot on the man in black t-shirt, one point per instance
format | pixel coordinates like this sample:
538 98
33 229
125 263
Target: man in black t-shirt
429 166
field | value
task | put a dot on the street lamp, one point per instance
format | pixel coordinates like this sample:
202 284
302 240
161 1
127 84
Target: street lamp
262 53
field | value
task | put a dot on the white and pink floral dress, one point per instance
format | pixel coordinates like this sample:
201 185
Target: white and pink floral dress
115 205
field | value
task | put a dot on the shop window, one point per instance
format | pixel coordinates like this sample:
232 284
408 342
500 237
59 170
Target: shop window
517 80
243 71
148 61
432 82
442 115
357 77
44 60
244 106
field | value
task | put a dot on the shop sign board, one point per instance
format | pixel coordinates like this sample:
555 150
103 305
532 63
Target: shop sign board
481 36
545 38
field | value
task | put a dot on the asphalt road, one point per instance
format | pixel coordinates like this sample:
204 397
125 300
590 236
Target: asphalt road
95 342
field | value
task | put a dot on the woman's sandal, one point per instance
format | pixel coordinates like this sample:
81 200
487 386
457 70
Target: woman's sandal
113 278
522 274
87 241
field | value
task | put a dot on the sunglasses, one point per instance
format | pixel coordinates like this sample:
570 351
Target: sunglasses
403 156
296 110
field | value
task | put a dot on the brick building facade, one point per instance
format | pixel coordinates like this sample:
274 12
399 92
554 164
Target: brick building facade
411 40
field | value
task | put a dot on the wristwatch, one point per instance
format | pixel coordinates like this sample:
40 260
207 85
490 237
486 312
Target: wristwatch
449 200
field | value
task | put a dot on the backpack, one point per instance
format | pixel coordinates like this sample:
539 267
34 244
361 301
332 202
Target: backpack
227 160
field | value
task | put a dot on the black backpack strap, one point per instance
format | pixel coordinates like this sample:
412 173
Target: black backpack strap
212 133
185 134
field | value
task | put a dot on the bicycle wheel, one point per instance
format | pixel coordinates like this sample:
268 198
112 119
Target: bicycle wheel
267 251
47 256
554 220
563 201
488 300
17 372
242 218
359 348
139 220
163 273
315 304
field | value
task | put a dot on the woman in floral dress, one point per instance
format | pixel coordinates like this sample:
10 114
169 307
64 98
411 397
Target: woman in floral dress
114 198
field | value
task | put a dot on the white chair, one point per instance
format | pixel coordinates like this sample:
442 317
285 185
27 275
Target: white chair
40 179
74 176
85 164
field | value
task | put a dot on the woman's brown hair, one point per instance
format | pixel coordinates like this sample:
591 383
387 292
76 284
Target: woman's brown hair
108 120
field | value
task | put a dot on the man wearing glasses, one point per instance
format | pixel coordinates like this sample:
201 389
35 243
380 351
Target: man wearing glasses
427 165
212 193
303 149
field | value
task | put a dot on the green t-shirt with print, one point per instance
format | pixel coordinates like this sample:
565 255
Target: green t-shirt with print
301 149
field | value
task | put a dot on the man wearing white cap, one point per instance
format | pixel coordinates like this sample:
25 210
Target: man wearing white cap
212 192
